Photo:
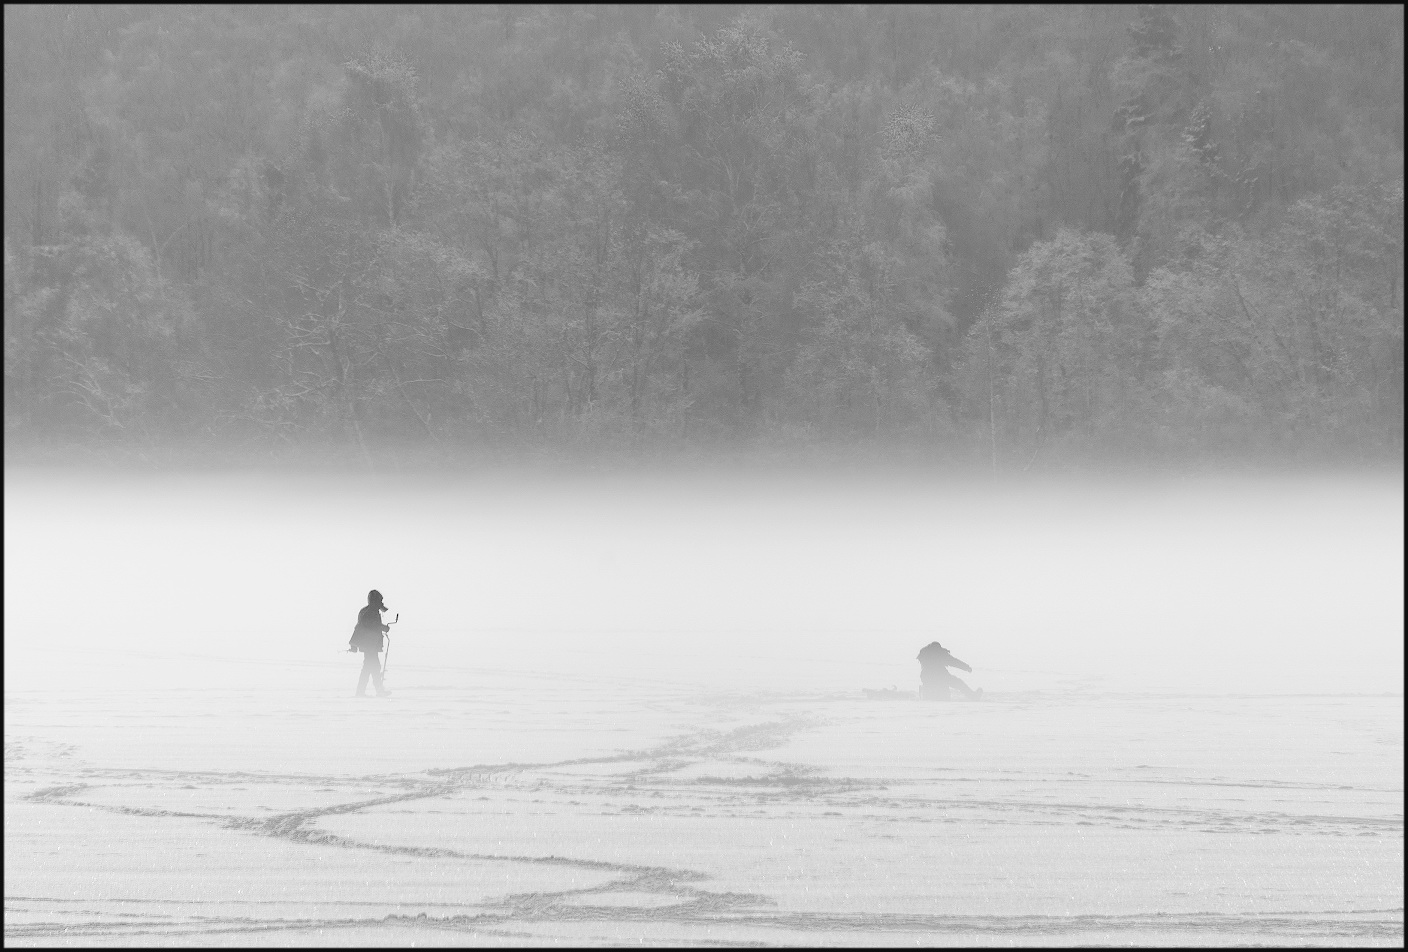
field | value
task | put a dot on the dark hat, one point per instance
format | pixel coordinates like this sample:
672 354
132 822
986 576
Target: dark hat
374 598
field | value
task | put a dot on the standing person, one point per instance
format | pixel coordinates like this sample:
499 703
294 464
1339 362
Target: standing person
367 638
935 681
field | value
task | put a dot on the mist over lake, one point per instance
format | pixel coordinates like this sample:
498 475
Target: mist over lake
1279 586
596 680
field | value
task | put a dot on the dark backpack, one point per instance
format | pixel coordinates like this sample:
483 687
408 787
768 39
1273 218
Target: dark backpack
367 635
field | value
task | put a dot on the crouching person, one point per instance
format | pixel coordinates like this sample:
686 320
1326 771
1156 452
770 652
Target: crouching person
935 680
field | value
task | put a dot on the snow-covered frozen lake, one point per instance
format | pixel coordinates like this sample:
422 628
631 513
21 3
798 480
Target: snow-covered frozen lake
633 711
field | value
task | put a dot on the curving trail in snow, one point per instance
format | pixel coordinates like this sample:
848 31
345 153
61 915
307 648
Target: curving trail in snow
733 819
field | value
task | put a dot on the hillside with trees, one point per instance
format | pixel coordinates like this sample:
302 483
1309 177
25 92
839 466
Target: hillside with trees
994 234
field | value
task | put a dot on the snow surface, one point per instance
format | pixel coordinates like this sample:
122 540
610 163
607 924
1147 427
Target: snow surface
633 712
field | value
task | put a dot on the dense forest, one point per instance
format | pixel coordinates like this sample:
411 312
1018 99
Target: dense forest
998 234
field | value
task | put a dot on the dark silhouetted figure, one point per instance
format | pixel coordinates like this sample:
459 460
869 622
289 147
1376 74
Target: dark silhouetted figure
367 638
936 684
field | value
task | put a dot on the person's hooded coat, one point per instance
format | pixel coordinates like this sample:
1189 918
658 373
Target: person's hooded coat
935 659
367 636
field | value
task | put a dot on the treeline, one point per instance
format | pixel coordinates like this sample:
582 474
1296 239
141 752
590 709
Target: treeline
991 233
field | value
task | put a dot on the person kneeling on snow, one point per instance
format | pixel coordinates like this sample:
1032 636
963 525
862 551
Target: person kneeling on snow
367 638
935 681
